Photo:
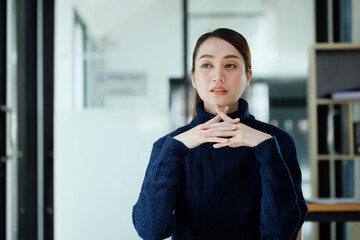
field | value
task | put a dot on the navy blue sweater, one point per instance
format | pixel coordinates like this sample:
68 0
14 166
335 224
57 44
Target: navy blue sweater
226 193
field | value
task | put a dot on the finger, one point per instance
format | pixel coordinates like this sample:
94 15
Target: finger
233 145
223 133
207 124
225 109
225 117
216 140
223 125
215 119
236 143
232 142
224 144
220 145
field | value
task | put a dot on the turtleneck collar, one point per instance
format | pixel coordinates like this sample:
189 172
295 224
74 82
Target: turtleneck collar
203 116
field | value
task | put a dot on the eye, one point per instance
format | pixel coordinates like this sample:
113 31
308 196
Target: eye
230 65
206 65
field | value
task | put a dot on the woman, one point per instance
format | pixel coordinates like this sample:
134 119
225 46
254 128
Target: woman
225 175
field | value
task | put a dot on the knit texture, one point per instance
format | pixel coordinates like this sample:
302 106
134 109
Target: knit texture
226 193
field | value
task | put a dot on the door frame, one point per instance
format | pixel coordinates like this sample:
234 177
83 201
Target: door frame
35 98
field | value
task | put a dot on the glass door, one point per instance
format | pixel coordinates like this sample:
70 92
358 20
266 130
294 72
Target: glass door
112 65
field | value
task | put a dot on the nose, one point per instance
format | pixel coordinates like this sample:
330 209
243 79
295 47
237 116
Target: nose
219 75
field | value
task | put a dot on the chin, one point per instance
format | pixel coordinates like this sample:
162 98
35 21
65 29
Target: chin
224 103
221 101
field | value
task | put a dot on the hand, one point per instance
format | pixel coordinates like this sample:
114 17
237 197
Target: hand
197 135
242 135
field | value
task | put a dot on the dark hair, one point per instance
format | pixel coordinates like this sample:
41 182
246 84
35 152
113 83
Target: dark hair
232 37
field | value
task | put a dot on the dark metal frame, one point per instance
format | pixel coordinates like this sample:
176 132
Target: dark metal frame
48 93
321 20
342 20
185 52
27 119
342 216
28 139
341 17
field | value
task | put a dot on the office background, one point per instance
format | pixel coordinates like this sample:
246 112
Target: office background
87 82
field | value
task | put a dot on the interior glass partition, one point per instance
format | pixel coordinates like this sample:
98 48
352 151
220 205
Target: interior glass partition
113 60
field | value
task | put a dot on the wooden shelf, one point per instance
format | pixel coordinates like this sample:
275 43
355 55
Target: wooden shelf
325 111
335 46
328 101
333 210
335 207
337 157
316 207
333 68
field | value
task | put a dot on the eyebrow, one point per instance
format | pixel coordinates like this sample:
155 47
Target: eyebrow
211 56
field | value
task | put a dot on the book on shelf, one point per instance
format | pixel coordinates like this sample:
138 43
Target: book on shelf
346 95
333 200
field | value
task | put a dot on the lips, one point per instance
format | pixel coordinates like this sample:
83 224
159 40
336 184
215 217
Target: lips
218 90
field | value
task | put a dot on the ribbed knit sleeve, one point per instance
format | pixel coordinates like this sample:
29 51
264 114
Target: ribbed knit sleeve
283 208
153 212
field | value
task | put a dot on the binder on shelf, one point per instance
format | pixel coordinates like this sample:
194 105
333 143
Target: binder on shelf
346 95
357 137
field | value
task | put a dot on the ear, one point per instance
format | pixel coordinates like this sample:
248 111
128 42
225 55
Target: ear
248 77
192 76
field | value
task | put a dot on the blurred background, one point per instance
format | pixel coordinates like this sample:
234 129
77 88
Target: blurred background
91 84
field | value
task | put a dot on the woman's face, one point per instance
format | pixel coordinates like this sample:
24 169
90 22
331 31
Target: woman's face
219 76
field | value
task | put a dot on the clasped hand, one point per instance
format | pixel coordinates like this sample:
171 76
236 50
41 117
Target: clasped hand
230 132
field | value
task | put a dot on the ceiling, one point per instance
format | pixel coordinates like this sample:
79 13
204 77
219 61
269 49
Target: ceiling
106 18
